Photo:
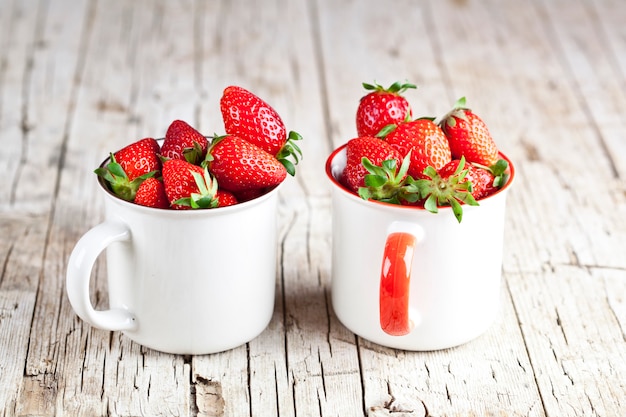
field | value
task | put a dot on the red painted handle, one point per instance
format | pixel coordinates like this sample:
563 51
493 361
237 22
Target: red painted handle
395 277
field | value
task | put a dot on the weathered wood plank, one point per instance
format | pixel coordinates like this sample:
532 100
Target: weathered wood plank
16 309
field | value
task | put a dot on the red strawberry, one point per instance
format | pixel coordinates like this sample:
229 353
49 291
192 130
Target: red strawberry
485 181
240 165
382 107
249 117
184 142
139 158
225 198
468 135
130 166
426 142
151 193
188 186
247 195
374 149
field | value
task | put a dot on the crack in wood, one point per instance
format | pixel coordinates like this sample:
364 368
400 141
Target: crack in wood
207 398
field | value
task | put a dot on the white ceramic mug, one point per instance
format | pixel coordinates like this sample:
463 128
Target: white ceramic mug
405 278
181 281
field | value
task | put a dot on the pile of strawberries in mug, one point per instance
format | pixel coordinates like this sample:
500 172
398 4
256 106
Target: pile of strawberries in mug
191 171
423 161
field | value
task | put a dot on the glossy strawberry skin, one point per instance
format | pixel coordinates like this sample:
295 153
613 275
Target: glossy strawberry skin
469 136
240 165
151 193
426 142
139 158
374 149
179 181
247 116
226 198
379 109
179 142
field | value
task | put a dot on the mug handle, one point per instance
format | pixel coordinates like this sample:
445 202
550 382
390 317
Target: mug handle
79 268
396 318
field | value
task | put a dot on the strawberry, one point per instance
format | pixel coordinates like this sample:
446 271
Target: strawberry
485 180
225 198
139 158
382 107
184 142
240 165
130 166
188 186
151 193
468 135
375 150
249 117
426 143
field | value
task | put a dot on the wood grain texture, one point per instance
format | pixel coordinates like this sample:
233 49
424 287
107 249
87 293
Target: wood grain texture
80 79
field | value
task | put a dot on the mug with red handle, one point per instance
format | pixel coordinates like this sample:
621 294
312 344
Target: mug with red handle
406 278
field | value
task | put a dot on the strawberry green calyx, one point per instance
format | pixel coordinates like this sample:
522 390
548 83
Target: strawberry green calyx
118 181
290 150
214 140
193 154
395 88
388 184
450 191
458 111
206 197
499 170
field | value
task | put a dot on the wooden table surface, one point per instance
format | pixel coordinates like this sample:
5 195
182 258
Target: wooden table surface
81 78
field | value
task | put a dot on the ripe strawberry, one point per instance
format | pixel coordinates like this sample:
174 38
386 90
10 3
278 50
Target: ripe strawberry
425 141
485 180
188 186
139 158
249 117
225 198
151 193
240 165
468 135
375 150
130 166
382 107
184 142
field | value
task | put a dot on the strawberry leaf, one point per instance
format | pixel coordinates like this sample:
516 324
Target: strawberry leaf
290 154
450 191
387 183
499 170
396 88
